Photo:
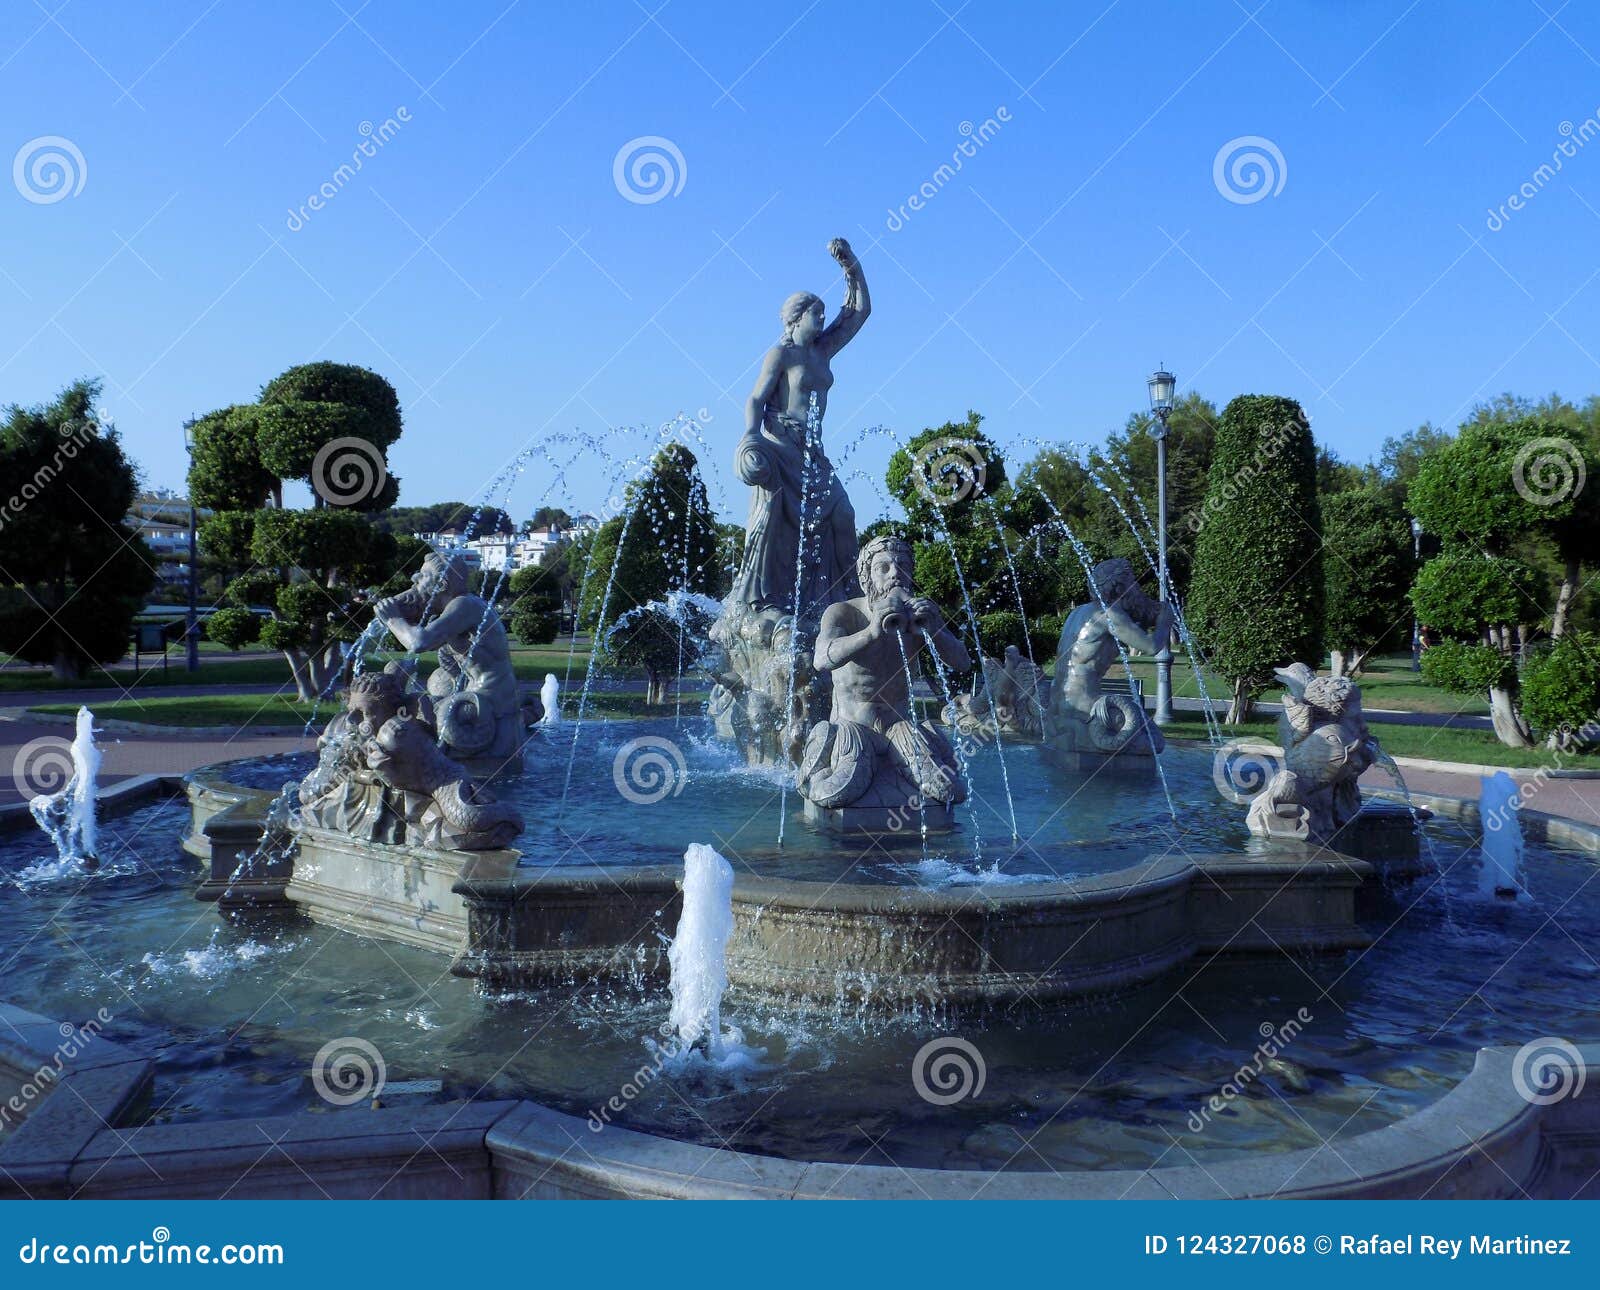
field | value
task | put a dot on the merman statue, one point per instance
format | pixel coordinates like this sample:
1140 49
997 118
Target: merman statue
873 765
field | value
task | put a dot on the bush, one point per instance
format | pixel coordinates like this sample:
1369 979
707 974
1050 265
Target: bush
534 626
233 628
1561 690
1464 668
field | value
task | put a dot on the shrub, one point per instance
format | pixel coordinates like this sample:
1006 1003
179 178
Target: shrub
1561 690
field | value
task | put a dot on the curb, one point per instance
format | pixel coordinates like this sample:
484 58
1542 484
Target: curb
1424 763
116 800
113 725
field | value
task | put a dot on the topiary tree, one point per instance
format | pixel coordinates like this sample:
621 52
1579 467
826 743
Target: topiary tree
1501 493
1256 600
1477 601
72 577
666 540
1368 567
328 425
534 614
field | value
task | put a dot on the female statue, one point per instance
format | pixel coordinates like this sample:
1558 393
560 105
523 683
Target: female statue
775 459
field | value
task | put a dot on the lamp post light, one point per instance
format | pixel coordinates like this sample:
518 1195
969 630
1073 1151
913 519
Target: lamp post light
191 631
1416 624
1162 384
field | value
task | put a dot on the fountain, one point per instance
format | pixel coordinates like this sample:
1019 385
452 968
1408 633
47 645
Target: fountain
68 816
849 932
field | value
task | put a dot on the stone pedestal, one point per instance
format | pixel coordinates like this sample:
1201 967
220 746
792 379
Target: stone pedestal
1092 763
937 816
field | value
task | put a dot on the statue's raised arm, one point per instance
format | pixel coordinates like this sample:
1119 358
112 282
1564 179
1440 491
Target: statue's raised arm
857 302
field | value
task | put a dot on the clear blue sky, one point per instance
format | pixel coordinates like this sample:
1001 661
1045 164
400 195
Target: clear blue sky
485 261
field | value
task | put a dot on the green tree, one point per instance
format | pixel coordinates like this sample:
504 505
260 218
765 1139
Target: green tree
1484 496
665 541
1368 567
1256 601
1561 691
329 425
72 576
534 611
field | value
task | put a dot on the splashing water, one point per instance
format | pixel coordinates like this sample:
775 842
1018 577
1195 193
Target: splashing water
550 700
1498 804
68 816
698 956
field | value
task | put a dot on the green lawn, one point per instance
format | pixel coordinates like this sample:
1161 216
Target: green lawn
1386 682
1436 743
241 711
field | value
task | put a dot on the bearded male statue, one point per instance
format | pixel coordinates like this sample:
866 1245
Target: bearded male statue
874 766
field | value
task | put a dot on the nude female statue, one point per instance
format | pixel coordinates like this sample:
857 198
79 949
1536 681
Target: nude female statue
774 458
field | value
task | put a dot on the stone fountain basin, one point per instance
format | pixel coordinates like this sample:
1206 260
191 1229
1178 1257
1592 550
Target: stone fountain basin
880 946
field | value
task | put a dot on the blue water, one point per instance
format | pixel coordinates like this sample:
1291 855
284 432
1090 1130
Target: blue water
234 1014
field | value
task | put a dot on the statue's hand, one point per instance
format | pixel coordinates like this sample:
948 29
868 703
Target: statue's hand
925 615
840 250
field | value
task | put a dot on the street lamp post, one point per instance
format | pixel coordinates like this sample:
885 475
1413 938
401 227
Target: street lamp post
1416 623
1162 384
191 631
